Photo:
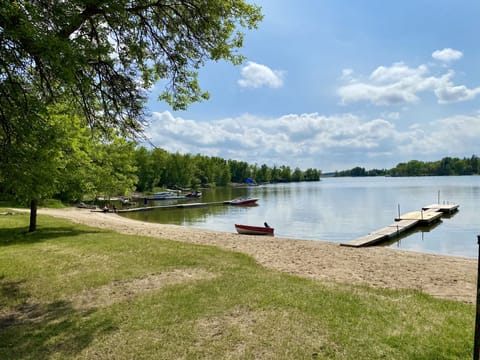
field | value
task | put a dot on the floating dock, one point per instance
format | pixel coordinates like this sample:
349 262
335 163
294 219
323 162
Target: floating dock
185 205
428 215
444 208
423 217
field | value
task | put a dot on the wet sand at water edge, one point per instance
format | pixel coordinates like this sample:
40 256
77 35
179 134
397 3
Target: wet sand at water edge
446 277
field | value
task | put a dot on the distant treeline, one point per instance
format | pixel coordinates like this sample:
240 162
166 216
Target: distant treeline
159 168
446 166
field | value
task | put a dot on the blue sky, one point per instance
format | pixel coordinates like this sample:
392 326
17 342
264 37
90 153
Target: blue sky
333 84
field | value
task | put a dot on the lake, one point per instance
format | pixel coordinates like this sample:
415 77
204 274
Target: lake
341 209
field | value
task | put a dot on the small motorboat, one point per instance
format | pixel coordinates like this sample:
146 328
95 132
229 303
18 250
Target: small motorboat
165 195
254 230
194 195
243 201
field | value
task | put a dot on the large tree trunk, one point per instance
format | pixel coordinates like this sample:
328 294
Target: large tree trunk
33 216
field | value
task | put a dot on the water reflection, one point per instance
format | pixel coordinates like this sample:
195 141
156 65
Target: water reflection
411 233
342 209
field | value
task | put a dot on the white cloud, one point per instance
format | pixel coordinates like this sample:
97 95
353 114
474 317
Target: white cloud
313 140
398 72
399 84
256 75
391 115
450 93
347 74
301 140
460 132
377 94
447 55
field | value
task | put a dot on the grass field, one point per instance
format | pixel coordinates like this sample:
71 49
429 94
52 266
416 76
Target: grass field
73 292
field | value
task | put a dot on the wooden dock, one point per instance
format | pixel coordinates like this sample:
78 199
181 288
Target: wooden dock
185 205
444 208
423 217
428 215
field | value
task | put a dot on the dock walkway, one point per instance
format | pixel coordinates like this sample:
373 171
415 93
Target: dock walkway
428 215
185 205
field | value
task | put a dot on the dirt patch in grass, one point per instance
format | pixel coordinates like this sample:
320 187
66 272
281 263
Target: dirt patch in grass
260 334
99 297
118 291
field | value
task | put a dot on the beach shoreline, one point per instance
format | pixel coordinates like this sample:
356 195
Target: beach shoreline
446 277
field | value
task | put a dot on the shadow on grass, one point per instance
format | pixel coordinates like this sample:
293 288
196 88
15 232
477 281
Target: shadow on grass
39 331
20 235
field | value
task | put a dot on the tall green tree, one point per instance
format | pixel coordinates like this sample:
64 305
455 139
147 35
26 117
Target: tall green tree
145 170
34 166
264 174
276 174
285 173
77 148
102 56
180 170
240 170
221 171
113 170
297 175
160 159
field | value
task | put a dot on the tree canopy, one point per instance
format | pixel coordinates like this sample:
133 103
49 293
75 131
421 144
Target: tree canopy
158 168
103 55
100 58
445 166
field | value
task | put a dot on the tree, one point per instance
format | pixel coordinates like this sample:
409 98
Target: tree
446 167
312 174
62 158
113 166
240 170
145 171
285 173
275 174
180 170
34 166
102 56
474 164
99 52
221 171
264 174
297 175
77 149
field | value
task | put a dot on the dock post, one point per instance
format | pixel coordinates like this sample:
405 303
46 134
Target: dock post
476 345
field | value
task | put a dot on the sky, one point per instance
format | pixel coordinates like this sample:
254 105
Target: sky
335 84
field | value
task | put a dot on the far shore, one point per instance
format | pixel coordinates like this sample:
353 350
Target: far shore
445 277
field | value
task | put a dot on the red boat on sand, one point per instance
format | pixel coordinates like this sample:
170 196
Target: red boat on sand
254 230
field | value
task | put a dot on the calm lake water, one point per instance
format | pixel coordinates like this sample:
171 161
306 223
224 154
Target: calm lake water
341 209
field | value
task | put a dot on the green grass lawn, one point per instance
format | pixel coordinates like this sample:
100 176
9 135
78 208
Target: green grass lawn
73 292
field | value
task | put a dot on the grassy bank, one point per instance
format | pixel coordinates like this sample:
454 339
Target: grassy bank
73 292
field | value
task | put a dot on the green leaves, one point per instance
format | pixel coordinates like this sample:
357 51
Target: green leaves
98 59
97 53
112 170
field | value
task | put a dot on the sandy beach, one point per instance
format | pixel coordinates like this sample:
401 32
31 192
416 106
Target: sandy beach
444 277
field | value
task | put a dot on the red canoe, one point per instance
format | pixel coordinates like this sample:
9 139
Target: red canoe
253 230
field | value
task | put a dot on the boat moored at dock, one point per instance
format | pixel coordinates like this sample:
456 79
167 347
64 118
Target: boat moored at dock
242 201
